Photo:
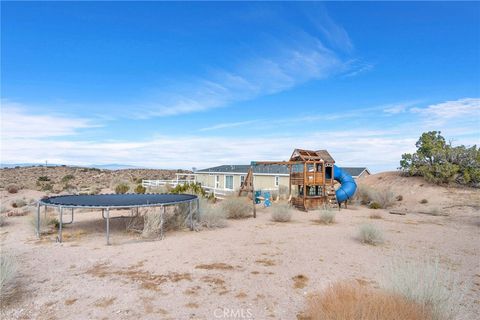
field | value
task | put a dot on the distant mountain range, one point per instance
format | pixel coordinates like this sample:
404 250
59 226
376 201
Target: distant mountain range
111 166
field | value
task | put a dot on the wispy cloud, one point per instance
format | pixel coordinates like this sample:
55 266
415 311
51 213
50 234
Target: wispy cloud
17 122
228 125
400 107
292 64
438 114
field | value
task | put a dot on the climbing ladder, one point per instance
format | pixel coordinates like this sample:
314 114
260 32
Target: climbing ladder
247 185
331 197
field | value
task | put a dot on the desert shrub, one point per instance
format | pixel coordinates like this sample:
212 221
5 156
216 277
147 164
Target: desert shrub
212 216
399 197
67 178
426 284
122 188
281 213
327 216
236 207
374 205
140 189
11 188
46 223
363 194
46 187
152 225
385 198
43 179
424 201
8 272
440 162
18 203
350 300
369 234
376 216
3 220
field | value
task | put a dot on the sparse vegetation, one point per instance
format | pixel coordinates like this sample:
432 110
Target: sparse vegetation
374 205
18 203
3 220
236 208
385 198
369 234
440 162
140 189
122 188
281 213
152 225
424 201
350 300
363 194
399 197
67 178
8 271
327 216
212 216
426 284
43 179
11 188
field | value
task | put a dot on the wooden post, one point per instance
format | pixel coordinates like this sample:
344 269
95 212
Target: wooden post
304 184
289 181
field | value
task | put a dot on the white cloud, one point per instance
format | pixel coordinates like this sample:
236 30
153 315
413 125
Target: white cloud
229 125
438 114
16 122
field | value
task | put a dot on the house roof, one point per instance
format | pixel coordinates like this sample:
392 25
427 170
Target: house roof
270 169
310 155
355 171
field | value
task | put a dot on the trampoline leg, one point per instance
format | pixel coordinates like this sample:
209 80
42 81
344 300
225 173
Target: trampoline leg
60 226
38 221
108 226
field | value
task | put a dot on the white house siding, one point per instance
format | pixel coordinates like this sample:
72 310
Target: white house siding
260 181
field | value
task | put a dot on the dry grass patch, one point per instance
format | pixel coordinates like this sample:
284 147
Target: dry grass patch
327 216
241 295
300 281
215 266
69 302
8 274
216 283
192 305
192 291
266 262
147 280
350 300
104 302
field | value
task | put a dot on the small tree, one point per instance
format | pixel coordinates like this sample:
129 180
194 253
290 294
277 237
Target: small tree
439 162
140 189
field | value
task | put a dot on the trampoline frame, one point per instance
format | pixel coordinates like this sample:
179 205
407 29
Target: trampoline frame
106 209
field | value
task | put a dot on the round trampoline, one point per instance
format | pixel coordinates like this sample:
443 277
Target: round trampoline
105 202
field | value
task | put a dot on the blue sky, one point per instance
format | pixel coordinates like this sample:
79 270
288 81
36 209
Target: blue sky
181 85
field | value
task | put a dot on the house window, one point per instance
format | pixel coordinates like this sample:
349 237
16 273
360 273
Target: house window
217 182
229 182
277 181
242 180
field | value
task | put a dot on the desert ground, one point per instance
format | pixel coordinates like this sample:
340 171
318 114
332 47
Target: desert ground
256 267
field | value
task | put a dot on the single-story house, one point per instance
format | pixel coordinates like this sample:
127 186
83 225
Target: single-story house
270 177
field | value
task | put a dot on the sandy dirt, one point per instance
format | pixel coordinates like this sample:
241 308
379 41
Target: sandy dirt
252 269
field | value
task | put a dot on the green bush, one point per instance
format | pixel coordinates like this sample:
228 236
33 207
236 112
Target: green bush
440 162
140 189
375 205
19 203
43 178
122 188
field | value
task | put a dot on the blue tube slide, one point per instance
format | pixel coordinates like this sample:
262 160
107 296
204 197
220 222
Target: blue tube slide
348 188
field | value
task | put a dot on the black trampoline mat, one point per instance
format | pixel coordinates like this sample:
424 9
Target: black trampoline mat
116 200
